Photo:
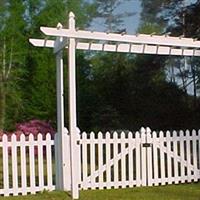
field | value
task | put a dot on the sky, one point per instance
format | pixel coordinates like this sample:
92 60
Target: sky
130 23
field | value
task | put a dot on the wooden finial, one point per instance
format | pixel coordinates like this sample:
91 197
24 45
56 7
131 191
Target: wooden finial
59 26
71 14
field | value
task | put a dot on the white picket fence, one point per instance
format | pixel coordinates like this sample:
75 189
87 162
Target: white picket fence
110 160
144 158
26 164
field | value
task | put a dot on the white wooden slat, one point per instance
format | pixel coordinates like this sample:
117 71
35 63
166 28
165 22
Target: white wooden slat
162 158
143 158
149 157
138 159
194 147
5 165
130 157
40 161
84 157
182 169
49 161
57 159
176 177
108 167
32 163
100 158
23 164
123 160
169 160
14 165
155 158
137 39
92 159
116 169
199 149
188 156
123 48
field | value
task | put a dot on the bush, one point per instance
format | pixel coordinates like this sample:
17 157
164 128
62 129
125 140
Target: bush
34 126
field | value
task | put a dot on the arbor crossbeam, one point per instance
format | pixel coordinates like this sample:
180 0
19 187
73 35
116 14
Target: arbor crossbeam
122 48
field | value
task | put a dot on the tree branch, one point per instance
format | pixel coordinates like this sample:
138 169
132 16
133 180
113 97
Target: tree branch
10 60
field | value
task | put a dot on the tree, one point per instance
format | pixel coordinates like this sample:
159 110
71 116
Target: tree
41 83
12 26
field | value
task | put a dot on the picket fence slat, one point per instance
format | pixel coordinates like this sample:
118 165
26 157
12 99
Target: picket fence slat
100 159
116 171
5 166
84 157
32 163
123 160
182 167
149 159
130 158
49 161
138 159
188 149
144 161
169 159
108 170
162 159
40 161
92 158
198 150
23 165
155 159
194 154
14 165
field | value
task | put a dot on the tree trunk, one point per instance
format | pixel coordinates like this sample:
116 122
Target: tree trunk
2 105
2 88
193 69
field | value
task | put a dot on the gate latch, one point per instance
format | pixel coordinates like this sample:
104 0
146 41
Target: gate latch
146 145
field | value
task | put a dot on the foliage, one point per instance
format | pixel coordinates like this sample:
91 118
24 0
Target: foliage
13 53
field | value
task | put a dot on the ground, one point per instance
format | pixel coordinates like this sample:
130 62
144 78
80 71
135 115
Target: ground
172 192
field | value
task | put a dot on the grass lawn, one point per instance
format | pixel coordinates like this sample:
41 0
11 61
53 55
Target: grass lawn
172 192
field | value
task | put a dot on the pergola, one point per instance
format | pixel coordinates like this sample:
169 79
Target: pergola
67 159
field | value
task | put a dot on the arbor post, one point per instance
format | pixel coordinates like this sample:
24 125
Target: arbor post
62 142
73 129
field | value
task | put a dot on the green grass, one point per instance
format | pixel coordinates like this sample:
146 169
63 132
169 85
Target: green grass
172 192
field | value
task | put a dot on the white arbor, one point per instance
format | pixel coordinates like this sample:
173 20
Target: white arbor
67 146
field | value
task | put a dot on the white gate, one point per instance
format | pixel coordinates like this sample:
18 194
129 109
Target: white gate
173 157
143 158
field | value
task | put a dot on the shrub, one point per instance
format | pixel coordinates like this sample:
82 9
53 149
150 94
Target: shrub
34 126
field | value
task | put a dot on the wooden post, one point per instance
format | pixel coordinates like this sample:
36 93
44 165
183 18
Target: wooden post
62 150
73 130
